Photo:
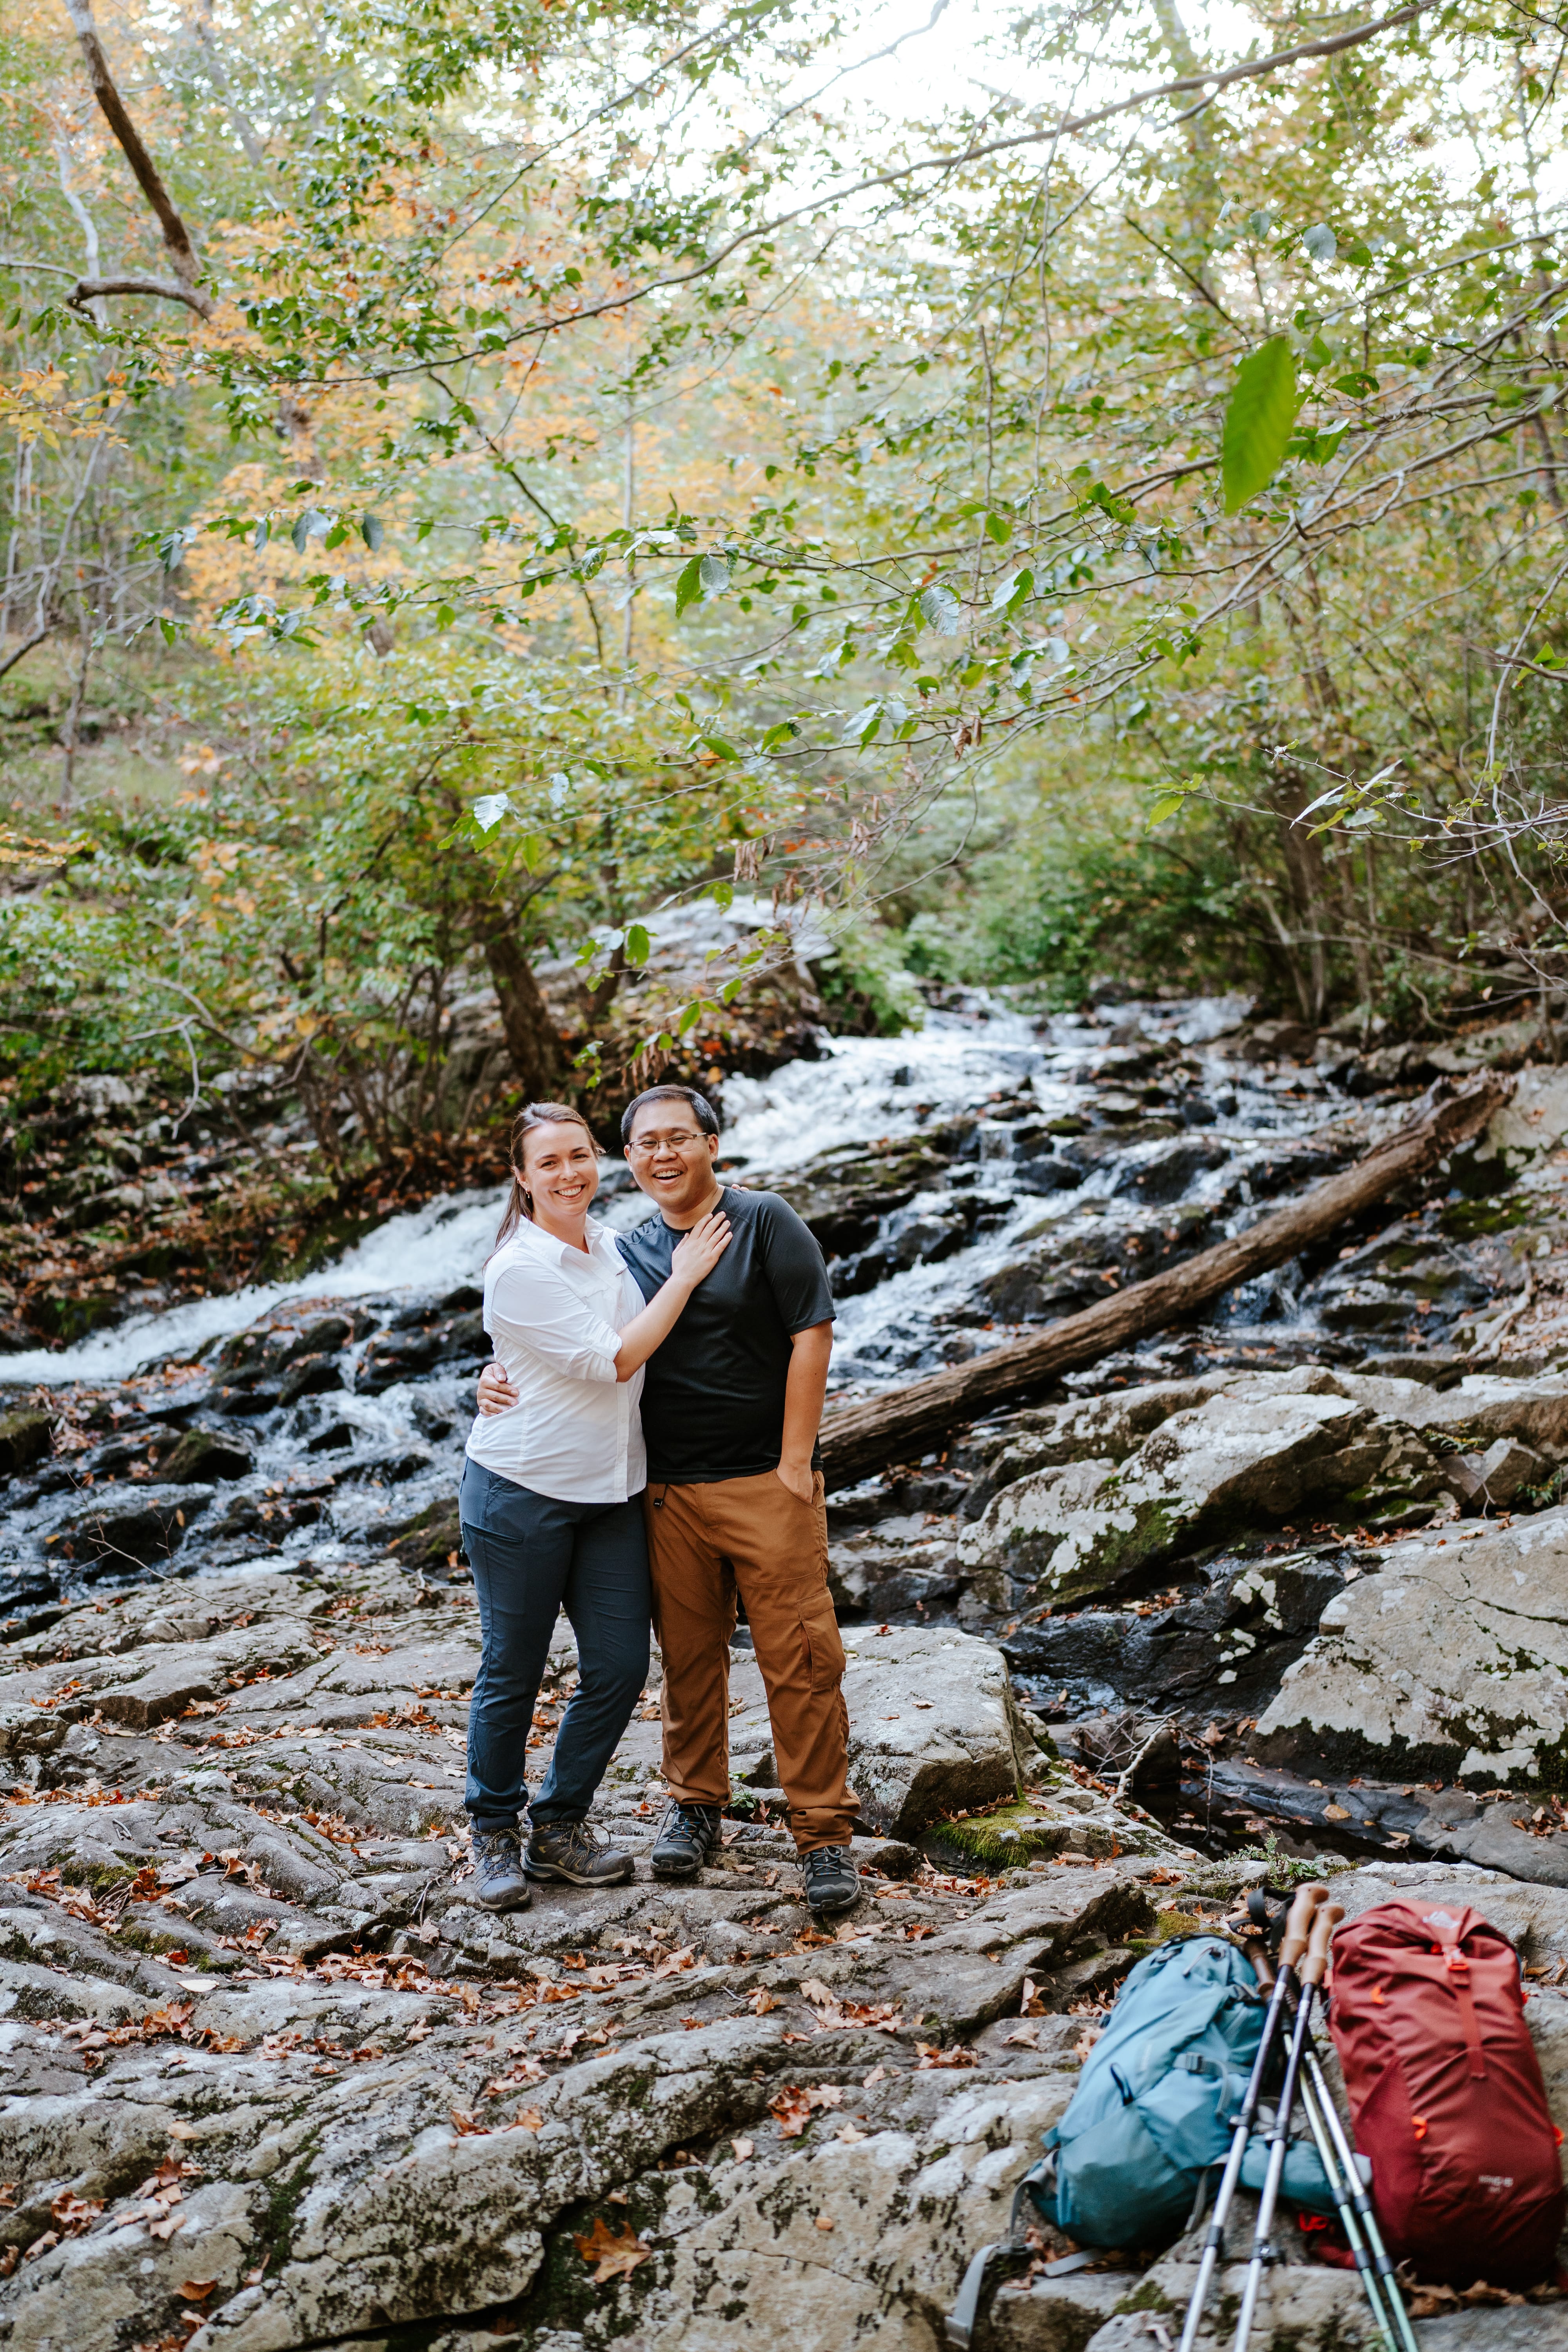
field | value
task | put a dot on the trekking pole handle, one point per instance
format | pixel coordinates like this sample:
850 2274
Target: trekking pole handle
1298 1925
1325 1920
1262 1965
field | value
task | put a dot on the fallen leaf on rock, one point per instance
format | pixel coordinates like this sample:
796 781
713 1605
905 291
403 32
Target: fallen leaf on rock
615 2254
761 2001
744 2148
817 1993
912 1935
465 2126
930 2056
794 2106
1029 2041
1336 1813
877 2075
195 2290
1085 2042
850 2134
529 2119
1164 1878
825 2220
1031 2005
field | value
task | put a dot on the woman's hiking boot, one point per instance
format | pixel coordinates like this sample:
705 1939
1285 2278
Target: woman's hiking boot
498 1881
686 1836
569 1850
832 1882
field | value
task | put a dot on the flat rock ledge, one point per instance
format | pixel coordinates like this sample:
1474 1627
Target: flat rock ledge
269 2079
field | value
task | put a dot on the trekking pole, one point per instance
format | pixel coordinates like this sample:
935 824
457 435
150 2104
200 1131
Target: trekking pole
1297 1930
1362 2203
1343 2187
1326 1918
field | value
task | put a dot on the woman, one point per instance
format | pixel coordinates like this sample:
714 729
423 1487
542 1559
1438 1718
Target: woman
551 1505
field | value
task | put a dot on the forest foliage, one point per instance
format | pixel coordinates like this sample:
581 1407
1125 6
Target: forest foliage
485 479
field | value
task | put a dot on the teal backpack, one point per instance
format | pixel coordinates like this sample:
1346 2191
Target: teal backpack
1155 2105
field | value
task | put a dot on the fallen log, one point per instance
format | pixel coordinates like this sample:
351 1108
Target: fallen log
859 1438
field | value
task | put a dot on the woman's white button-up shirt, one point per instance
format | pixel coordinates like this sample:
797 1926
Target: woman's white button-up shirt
554 1315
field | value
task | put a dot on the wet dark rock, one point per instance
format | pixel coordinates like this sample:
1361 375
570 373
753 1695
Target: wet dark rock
1225 1640
386 1469
405 1354
310 1376
431 1539
205 1454
121 1526
1171 1170
845 1195
322 1338
333 1438
25 1437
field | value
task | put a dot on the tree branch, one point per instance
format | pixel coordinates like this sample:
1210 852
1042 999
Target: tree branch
86 290
35 639
176 236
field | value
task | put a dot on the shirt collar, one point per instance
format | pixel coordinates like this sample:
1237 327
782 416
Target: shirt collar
601 1248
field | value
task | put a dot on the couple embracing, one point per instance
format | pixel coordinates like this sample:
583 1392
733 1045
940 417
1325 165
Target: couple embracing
645 1452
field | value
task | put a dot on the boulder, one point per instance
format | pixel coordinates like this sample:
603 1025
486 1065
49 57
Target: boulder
1259 1452
202 1454
26 1436
933 1727
1450 1662
121 1526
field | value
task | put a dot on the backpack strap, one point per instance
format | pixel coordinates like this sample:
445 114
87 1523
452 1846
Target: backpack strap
965 2310
1458 1969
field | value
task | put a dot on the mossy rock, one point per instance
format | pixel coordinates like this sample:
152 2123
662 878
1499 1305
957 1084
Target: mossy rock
25 1438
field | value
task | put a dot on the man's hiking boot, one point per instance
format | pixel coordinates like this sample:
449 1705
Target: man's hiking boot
569 1850
686 1836
499 1882
832 1882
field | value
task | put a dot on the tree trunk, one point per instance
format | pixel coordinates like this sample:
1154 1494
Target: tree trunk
531 1035
859 1438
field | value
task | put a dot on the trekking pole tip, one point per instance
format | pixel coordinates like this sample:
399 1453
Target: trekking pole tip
1298 1926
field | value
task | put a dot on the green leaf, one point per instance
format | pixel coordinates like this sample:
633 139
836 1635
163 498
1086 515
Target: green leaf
1257 421
637 943
260 535
999 528
534 849
445 616
943 611
691 1014
717 746
302 532
688 586
1168 805
713 572
336 536
1320 242
784 732
375 532
723 895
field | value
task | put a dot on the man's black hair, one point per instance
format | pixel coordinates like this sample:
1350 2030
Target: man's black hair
701 1109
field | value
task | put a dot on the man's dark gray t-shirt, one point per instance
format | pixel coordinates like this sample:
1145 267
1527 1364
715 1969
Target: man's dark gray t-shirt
713 1396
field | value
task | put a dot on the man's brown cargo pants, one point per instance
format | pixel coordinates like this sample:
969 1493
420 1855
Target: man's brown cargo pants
754 1538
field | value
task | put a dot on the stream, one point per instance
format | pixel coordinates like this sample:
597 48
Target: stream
967 1181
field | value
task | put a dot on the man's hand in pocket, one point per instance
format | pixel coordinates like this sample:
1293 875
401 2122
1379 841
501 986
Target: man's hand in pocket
797 1477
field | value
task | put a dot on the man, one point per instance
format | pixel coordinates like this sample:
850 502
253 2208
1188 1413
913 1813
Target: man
734 1502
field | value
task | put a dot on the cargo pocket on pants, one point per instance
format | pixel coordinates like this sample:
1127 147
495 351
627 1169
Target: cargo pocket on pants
824 1649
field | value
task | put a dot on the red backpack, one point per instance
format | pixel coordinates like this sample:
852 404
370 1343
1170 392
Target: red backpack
1427 2016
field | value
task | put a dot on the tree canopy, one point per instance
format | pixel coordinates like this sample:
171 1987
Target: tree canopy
513 472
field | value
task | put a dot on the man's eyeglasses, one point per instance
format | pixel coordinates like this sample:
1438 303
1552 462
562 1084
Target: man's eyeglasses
644 1145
